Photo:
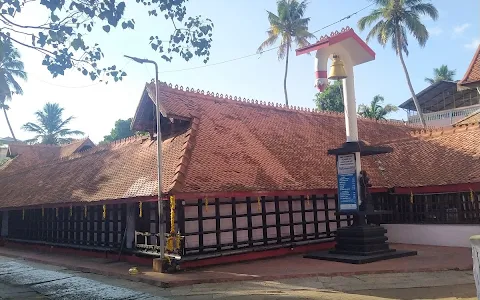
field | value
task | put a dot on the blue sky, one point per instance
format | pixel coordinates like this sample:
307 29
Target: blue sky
239 29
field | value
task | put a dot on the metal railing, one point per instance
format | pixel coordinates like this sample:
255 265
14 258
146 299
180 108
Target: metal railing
445 117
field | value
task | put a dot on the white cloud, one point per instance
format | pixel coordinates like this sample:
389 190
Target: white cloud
460 28
436 31
473 44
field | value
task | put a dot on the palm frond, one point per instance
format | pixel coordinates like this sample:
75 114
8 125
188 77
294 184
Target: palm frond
17 73
377 32
32 127
426 9
366 21
416 28
17 89
282 50
272 39
429 80
65 122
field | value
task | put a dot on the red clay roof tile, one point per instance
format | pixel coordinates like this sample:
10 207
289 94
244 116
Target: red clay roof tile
244 146
124 169
473 72
247 146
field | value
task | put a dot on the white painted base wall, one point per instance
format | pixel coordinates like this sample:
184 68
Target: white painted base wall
436 235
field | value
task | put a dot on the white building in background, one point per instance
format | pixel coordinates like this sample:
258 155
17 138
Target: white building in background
446 103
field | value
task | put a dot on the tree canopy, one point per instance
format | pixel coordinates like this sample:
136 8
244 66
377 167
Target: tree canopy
120 131
331 99
440 74
376 111
51 128
62 38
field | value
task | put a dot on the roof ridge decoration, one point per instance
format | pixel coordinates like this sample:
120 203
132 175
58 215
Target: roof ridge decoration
434 132
334 33
272 105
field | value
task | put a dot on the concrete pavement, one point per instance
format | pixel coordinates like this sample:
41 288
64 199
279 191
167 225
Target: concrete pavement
26 280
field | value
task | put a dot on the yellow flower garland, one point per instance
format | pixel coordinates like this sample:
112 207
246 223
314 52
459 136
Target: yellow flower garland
104 213
172 214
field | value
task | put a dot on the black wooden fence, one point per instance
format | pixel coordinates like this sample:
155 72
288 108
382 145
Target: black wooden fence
448 208
72 226
208 225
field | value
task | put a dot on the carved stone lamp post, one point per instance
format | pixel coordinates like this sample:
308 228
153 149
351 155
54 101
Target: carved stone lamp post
359 243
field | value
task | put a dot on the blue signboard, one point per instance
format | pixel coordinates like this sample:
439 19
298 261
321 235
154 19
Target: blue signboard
347 183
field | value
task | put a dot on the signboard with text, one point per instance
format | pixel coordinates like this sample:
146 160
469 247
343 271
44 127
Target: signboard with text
347 183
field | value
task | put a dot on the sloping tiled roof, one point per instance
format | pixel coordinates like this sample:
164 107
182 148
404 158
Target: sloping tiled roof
75 146
473 72
247 146
471 119
119 170
433 158
26 155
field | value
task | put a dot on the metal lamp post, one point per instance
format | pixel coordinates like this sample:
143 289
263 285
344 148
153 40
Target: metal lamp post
161 225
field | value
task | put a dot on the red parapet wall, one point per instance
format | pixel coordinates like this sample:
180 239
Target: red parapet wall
145 261
256 255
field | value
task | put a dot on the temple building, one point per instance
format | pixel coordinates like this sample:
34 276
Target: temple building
251 179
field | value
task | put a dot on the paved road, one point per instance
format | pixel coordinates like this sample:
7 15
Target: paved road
20 280
25 280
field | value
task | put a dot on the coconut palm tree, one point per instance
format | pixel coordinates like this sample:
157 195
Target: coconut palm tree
440 74
11 67
290 26
391 21
376 111
50 127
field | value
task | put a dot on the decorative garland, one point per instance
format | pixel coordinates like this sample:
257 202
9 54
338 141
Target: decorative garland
172 214
206 204
411 197
104 212
140 209
259 206
85 211
308 200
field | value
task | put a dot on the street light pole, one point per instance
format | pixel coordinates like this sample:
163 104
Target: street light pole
161 223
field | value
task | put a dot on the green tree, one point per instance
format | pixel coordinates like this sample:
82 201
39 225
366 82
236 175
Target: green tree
289 25
393 19
50 127
61 39
120 131
376 111
11 68
331 99
440 74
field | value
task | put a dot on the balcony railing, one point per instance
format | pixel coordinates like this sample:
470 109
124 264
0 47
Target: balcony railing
445 117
